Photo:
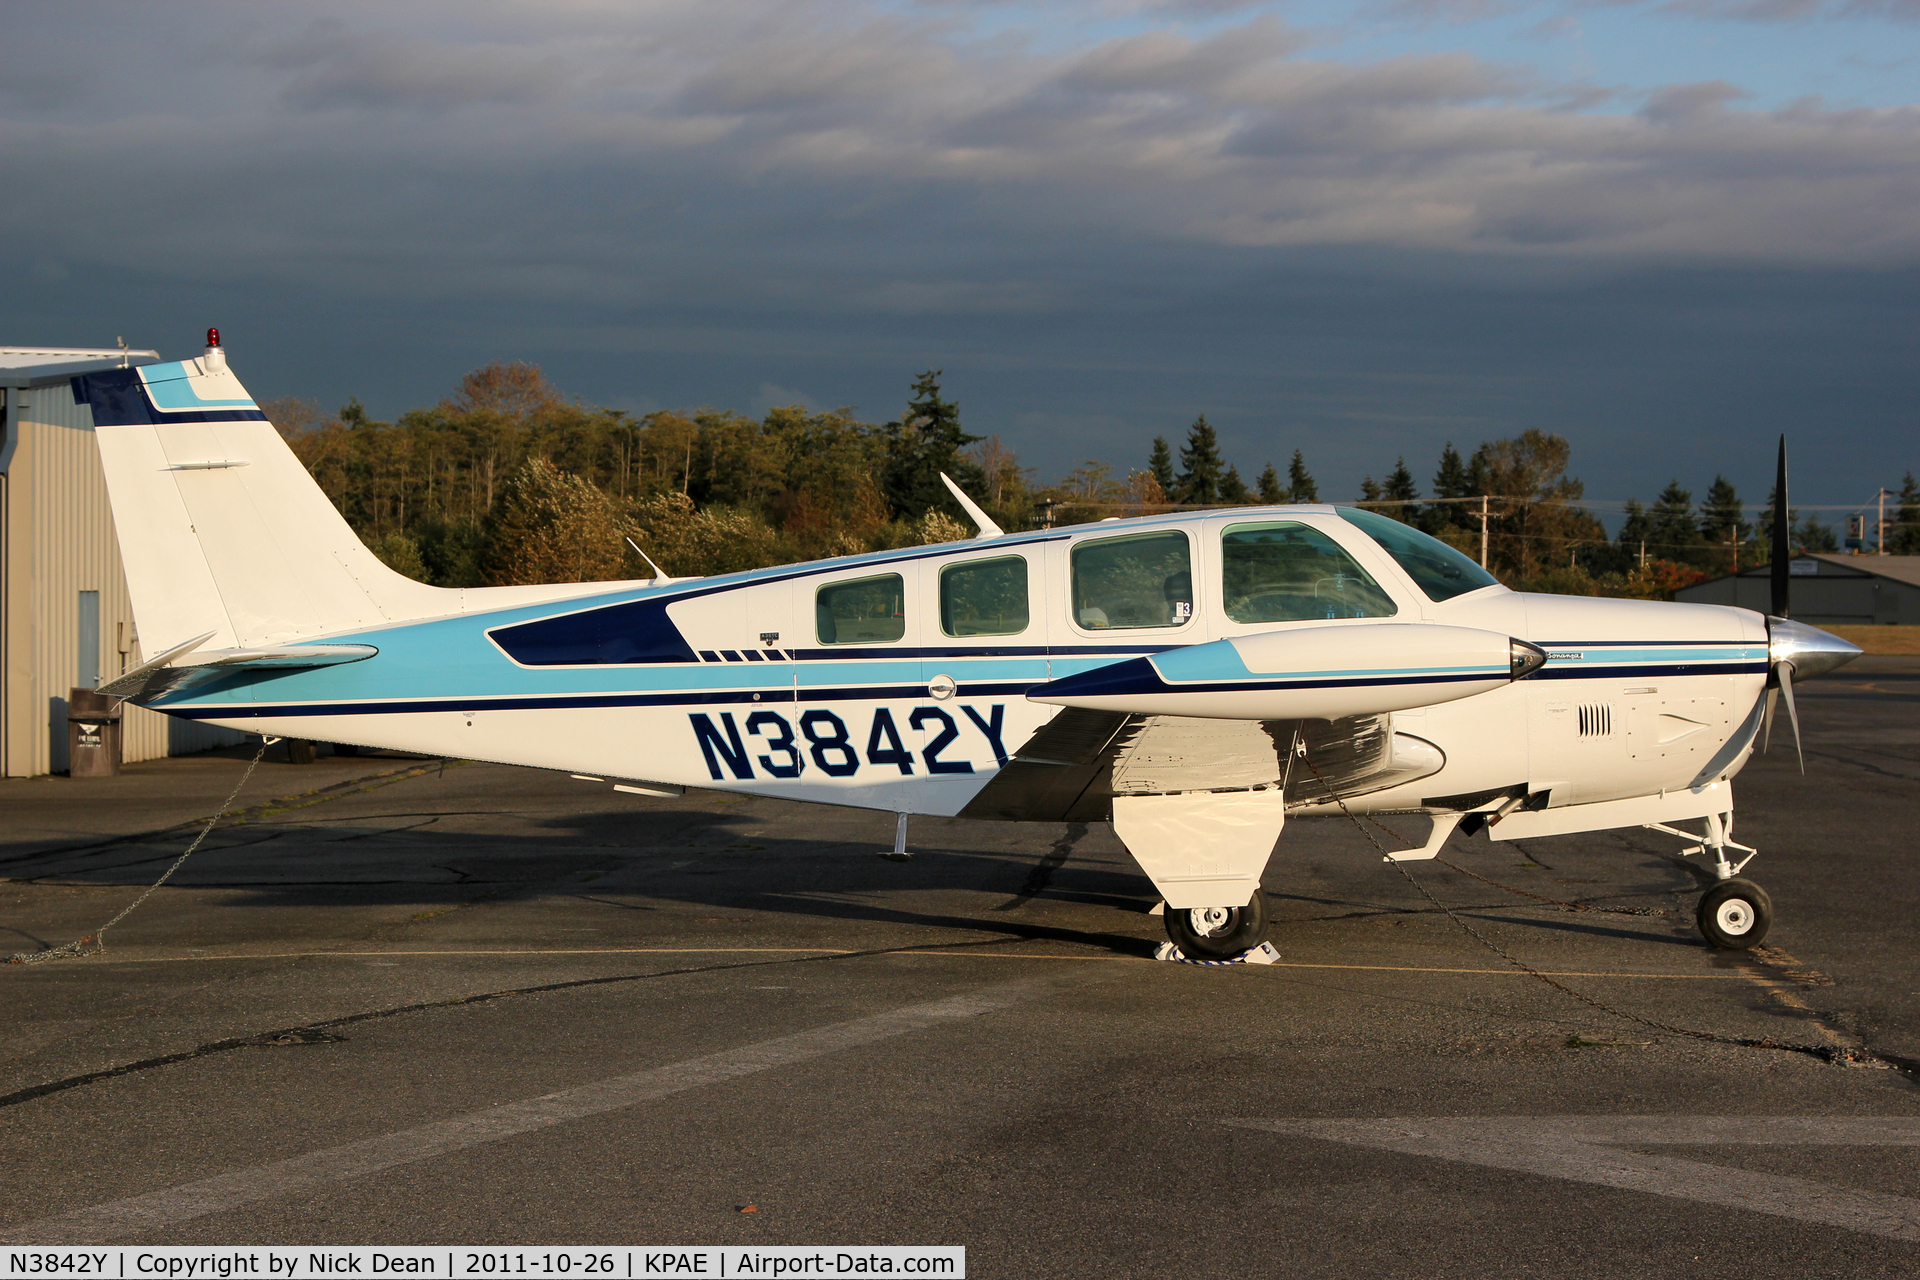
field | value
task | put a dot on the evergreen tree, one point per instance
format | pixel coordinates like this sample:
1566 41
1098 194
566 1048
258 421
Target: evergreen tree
1763 529
1903 538
1674 534
1480 472
1233 489
1811 535
1199 480
1635 531
1399 488
1270 491
1300 482
1720 515
922 445
1450 481
1369 490
1160 464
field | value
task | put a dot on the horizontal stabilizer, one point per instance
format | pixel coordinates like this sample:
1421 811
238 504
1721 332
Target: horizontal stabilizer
1305 673
177 666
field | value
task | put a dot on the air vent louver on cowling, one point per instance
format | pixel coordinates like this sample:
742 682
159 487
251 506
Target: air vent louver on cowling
1596 721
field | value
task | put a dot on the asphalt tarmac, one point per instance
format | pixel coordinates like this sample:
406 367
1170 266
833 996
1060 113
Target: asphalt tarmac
395 1002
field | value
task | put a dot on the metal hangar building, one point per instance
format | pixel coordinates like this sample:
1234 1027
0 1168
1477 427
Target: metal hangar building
1828 590
65 621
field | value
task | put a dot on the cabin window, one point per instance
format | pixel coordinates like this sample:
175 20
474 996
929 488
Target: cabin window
1143 580
984 597
864 611
1436 568
1290 572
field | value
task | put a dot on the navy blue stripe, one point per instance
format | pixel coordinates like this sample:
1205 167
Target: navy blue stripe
842 653
1274 686
118 398
1645 644
1139 677
1671 669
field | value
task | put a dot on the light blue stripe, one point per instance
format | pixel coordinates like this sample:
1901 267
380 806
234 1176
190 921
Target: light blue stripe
1615 656
170 387
1221 661
1216 661
452 658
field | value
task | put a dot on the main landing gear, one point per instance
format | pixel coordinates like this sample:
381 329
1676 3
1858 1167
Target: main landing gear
1736 913
1218 933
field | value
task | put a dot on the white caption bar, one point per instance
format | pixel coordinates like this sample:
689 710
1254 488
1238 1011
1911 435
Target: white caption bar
616 1262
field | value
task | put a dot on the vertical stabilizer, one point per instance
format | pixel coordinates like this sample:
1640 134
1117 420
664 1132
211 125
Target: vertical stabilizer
220 526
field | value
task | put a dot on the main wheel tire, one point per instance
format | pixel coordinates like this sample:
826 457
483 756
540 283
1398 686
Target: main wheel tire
1735 914
1217 933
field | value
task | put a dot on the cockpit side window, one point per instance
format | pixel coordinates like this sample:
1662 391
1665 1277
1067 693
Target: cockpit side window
1139 580
984 597
863 611
1436 568
1290 572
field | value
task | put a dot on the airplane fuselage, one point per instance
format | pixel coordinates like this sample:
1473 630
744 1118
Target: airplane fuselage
898 680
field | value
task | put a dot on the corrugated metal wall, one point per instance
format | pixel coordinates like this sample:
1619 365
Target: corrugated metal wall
61 538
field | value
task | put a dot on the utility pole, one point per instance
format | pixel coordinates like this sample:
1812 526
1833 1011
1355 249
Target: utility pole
1882 495
1643 553
1483 531
1733 540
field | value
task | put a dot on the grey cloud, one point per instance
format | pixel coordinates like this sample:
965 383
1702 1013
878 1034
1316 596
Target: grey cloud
334 67
683 149
1166 60
1681 103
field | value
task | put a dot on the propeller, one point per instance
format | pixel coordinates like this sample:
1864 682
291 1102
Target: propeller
1795 650
1781 602
1781 549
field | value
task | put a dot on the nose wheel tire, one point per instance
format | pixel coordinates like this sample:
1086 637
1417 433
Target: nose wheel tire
1216 933
1735 914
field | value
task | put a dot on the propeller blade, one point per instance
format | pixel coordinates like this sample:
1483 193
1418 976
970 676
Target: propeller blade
1781 549
1766 722
1786 688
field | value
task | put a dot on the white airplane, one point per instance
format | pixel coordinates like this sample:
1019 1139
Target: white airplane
1195 678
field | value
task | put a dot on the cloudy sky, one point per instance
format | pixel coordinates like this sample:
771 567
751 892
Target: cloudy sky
1668 230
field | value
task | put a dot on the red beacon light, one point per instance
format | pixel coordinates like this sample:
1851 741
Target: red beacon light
216 359
213 339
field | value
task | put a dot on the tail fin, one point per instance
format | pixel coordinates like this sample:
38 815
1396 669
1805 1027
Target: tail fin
221 528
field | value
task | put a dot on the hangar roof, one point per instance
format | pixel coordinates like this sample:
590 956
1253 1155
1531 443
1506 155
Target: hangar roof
1899 568
46 366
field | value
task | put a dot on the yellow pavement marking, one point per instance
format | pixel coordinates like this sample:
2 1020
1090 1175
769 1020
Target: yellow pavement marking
837 951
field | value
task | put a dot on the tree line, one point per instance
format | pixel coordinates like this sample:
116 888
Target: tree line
508 481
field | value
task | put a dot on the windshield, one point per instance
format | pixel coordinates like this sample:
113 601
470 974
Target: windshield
1435 567
1287 572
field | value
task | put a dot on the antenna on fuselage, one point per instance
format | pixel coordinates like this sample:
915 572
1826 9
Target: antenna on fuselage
657 575
988 529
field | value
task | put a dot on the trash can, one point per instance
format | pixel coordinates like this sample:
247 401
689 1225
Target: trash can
93 734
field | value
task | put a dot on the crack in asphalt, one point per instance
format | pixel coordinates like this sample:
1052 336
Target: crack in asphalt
322 1031
299 800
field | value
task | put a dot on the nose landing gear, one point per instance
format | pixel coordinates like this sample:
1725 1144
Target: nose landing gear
1735 914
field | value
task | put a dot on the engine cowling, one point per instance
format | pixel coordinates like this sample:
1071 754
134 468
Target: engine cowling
1305 673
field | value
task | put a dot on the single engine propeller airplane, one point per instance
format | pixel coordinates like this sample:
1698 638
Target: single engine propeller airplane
1194 678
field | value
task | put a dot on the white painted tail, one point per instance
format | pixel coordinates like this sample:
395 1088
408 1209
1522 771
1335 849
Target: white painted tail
221 528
